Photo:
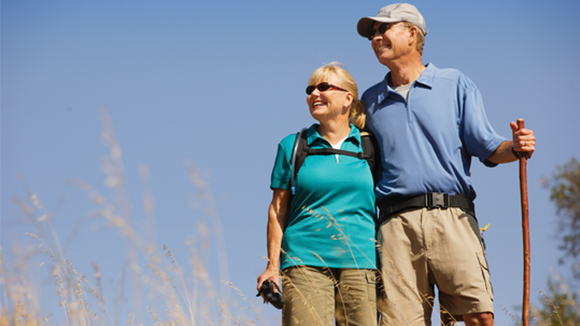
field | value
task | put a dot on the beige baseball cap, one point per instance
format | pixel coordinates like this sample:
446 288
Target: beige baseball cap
391 14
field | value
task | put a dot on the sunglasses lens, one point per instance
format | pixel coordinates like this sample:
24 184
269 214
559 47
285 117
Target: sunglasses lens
323 87
381 30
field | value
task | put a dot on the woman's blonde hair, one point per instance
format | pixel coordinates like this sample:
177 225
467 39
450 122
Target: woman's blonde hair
357 111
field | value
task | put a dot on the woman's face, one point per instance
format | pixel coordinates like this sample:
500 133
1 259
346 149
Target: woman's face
329 104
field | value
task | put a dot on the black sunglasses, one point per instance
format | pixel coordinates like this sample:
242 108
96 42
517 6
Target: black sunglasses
382 29
324 86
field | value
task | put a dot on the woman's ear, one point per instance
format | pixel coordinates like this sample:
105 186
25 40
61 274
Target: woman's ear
348 99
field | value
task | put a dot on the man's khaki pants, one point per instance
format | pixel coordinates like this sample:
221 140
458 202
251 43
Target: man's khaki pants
424 248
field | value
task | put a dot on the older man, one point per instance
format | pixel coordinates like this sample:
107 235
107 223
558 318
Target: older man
429 123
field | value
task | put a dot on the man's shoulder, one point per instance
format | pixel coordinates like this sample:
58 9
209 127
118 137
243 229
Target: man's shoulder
373 90
453 75
449 73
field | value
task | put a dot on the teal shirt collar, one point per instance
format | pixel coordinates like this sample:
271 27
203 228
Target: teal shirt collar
312 135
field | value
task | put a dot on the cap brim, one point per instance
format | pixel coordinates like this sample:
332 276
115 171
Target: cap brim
365 24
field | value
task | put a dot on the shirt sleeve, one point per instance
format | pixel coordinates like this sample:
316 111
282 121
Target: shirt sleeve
479 137
282 170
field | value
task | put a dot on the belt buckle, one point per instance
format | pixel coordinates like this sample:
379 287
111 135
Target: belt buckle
437 200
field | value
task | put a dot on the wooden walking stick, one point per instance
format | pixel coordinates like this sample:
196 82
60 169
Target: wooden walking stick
526 233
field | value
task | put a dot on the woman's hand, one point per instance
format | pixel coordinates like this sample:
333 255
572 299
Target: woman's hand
271 274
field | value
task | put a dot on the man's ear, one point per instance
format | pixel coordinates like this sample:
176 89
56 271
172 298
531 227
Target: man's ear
412 34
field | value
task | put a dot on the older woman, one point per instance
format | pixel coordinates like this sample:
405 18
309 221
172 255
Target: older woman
322 237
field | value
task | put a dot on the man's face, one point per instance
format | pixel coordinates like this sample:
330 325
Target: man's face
393 44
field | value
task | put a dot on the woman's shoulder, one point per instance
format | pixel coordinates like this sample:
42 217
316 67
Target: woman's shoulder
286 144
288 141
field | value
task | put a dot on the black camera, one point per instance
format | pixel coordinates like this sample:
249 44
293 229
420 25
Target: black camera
275 298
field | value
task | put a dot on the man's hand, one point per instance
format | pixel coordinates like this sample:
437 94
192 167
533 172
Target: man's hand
523 140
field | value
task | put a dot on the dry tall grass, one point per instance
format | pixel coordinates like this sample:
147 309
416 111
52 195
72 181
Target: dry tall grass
162 290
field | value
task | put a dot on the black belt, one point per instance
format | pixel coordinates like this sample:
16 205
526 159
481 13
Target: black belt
394 204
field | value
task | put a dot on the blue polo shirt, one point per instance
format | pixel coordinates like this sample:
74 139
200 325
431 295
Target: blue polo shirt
427 141
331 218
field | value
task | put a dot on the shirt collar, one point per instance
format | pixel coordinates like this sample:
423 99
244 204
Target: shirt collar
424 79
427 76
312 134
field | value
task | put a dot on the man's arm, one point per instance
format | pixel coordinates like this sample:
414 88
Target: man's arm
523 143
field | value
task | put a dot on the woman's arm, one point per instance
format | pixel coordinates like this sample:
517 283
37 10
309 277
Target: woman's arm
277 218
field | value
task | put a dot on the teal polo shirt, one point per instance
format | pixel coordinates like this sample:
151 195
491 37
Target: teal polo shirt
331 218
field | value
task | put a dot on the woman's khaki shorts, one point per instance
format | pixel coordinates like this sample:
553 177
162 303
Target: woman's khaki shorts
426 247
318 296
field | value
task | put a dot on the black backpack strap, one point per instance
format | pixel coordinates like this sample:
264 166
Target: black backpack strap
298 156
330 151
371 148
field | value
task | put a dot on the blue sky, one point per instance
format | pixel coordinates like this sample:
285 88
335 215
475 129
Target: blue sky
216 85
